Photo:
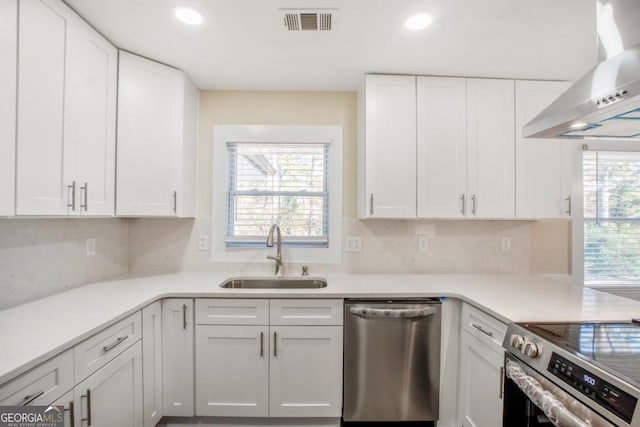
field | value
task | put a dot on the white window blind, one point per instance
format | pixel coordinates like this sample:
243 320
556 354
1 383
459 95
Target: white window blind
611 217
277 183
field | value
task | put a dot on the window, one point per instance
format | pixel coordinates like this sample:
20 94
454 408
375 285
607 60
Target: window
611 183
287 175
277 183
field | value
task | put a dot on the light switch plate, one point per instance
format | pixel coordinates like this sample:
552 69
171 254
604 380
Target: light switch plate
203 242
91 247
505 244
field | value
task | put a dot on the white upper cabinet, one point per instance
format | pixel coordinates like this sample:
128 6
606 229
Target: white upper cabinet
442 147
66 114
8 51
491 148
387 147
543 166
157 139
90 118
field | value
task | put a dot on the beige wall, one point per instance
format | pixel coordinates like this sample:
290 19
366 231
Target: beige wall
276 108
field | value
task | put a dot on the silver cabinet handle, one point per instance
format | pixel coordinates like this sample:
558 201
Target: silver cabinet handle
175 202
31 397
501 391
463 200
275 344
568 200
184 316
398 313
473 204
261 344
88 396
371 204
84 194
72 199
117 342
481 329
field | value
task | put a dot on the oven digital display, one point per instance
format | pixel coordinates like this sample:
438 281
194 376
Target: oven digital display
615 400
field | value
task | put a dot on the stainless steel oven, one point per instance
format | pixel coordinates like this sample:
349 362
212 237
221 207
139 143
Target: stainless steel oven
572 375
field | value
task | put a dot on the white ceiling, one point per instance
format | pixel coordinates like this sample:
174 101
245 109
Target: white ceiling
242 44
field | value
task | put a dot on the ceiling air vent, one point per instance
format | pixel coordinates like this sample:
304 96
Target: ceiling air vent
310 19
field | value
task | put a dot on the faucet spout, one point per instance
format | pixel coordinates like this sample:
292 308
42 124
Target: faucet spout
275 229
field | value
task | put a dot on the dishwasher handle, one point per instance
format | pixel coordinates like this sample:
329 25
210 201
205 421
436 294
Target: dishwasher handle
393 313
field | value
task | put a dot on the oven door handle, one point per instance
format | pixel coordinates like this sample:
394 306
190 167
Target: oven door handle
543 399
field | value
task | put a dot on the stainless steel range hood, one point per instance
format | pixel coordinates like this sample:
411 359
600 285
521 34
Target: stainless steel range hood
605 103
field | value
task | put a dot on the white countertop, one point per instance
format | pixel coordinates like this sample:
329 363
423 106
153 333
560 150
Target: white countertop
33 332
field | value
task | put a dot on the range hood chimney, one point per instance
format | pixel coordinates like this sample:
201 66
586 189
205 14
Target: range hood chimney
605 103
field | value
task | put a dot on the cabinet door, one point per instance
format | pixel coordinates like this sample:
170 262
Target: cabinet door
41 187
306 371
177 360
90 118
232 371
491 148
480 384
152 363
150 109
112 396
8 82
390 147
442 147
543 166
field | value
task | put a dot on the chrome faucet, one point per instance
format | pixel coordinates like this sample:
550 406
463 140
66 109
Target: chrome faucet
278 257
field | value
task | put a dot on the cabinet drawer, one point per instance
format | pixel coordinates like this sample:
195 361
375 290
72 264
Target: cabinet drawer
486 328
232 311
304 312
102 347
42 384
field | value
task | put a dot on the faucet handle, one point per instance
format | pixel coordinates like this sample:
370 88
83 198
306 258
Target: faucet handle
305 270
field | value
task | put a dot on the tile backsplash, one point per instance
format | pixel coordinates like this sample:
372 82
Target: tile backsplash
40 257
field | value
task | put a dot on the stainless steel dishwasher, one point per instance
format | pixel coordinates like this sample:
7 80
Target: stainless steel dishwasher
391 360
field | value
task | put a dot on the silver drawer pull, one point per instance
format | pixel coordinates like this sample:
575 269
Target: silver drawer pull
400 313
30 398
481 329
118 341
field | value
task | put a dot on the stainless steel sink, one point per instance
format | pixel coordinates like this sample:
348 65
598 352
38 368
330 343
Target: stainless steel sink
274 283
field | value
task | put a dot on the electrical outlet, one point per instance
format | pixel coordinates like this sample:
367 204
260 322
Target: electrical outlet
203 242
91 247
354 244
423 242
505 244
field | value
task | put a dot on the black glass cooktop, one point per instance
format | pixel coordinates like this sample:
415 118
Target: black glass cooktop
613 347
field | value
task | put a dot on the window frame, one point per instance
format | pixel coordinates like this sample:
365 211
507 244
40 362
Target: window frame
223 134
577 216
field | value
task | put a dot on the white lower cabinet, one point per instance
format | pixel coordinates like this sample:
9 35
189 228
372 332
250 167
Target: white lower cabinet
269 370
481 369
306 371
152 363
177 357
112 396
232 367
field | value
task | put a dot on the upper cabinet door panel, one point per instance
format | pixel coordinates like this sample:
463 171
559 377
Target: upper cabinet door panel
543 166
150 109
390 146
490 130
442 146
8 52
41 184
90 117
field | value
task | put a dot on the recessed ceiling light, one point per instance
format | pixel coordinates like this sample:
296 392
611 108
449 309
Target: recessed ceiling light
579 125
419 21
187 15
